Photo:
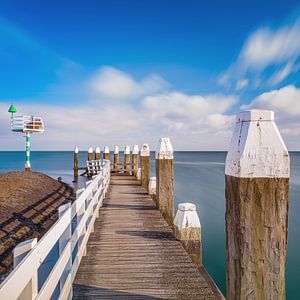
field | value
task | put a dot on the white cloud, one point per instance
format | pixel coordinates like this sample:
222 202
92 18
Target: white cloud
241 84
286 104
281 74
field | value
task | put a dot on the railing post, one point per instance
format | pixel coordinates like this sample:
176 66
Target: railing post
165 179
75 168
135 160
187 229
19 252
257 175
127 160
145 166
97 153
90 154
63 241
106 153
116 159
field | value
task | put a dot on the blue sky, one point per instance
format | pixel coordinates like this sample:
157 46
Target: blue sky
177 68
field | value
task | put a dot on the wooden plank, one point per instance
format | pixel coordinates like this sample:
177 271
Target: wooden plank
132 254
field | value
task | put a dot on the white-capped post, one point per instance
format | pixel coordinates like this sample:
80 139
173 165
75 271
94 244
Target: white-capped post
145 166
187 229
116 159
90 154
75 167
135 160
152 188
127 160
165 179
97 153
257 175
106 153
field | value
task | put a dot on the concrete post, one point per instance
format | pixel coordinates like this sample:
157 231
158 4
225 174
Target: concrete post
97 153
135 160
145 166
257 175
75 168
19 252
152 188
106 153
90 154
187 229
127 160
165 179
116 159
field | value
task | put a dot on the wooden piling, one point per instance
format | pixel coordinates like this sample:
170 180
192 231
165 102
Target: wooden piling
152 188
106 153
97 153
187 229
135 160
127 160
257 199
76 164
165 179
90 154
145 166
116 159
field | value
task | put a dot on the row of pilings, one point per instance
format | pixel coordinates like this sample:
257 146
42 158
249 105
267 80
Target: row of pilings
257 173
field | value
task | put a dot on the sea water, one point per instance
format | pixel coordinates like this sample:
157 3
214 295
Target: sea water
199 178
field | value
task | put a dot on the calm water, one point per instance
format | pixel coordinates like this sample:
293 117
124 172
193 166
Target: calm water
199 178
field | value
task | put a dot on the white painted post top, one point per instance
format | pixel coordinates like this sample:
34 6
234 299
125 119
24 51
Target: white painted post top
90 150
186 217
76 150
106 149
145 150
152 186
97 150
116 150
127 150
257 149
135 149
165 149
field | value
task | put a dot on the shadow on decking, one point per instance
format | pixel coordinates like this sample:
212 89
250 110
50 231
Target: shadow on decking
157 235
128 206
82 291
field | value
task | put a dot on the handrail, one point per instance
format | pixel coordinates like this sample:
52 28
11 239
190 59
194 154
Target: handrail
22 282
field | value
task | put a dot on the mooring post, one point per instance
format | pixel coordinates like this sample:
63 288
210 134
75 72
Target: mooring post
76 164
187 229
257 175
116 159
152 188
106 153
97 153
90 154
135 160
145 166
165 179
127 160
19 252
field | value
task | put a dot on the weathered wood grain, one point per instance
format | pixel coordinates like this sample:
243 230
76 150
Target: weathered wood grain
133 253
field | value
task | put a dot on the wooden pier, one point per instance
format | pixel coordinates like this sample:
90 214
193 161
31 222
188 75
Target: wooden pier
133 254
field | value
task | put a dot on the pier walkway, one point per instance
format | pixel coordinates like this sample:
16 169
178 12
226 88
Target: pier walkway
132 253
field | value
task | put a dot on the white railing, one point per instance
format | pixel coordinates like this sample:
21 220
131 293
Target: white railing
93 167
27 124
69 235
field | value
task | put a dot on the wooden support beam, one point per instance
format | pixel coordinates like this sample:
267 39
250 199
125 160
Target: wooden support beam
135 160
145 166
97 153
187 229
106 153
116 159
165 179
257 175
90 154
127 160
76 164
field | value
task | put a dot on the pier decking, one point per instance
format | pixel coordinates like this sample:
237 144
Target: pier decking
132 253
